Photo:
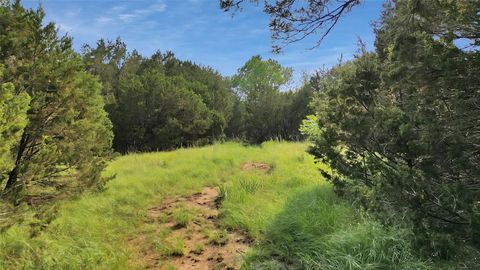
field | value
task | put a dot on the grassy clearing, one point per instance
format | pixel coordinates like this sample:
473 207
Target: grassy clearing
289 211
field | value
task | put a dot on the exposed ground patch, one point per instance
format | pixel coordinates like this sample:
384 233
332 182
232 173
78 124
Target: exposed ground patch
253 165
182 233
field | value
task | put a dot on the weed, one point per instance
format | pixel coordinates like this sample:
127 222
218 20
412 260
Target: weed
181 216
173 247
218 237
206 232
198 249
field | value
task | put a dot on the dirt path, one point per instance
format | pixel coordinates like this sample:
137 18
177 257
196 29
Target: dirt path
183 233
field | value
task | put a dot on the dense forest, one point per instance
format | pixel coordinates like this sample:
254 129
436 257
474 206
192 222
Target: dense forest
395 131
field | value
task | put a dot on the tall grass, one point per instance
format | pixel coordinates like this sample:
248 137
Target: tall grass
93 231
299 223
292 215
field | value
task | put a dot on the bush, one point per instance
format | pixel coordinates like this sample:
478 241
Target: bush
398 128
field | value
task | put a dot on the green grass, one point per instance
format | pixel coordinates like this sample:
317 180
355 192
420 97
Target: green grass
219 238
292 215
198 249
181 216
174 247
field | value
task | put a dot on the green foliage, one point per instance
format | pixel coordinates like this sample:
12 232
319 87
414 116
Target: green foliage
262 111
173 247
68 134
398 126
159 102
309 126
162 102
258 76
13 119
158 112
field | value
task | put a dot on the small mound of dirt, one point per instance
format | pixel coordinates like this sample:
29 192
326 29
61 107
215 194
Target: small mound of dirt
191 221
252 165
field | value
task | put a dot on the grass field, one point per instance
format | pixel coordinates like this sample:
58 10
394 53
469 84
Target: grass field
293 217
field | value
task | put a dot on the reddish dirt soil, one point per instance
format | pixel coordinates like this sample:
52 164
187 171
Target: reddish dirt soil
220 249
252 165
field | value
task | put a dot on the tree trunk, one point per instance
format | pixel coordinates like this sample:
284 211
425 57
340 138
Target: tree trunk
12 179
13 175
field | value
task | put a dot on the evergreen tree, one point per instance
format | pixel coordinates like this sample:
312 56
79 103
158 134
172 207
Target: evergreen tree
399 126
149 99
156 112
68 134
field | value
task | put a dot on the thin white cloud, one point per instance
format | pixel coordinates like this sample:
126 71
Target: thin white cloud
122 13
64 27
73 12
104 19
127 17
158 7
118 8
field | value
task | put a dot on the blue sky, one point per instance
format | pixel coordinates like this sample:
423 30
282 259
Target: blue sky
198 30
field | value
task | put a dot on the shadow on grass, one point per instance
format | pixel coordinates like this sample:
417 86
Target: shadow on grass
317 230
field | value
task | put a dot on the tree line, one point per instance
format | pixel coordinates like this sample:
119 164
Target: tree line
161 102
64 113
